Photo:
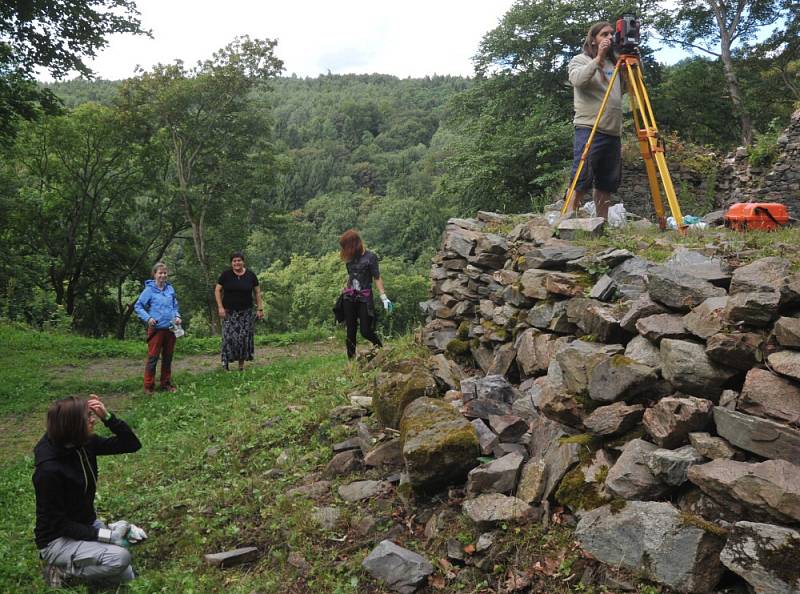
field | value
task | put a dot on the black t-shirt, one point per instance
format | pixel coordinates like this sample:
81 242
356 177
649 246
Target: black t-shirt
237 291
361 270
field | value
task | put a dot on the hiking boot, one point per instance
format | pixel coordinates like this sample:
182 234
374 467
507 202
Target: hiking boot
168 388
54 575
149 391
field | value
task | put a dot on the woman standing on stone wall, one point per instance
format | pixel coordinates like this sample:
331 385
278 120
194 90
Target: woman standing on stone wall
357 301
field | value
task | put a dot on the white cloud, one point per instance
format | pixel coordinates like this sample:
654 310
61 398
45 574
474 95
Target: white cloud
411 38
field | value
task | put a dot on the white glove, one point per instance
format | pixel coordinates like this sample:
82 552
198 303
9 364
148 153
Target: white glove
387 305
136 534
115 534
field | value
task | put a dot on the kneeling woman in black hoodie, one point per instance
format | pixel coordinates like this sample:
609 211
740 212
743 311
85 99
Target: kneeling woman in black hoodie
71 540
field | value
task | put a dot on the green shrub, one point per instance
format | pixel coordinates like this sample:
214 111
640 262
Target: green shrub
301 294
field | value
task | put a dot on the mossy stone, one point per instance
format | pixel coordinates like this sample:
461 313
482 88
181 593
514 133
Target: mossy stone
395 390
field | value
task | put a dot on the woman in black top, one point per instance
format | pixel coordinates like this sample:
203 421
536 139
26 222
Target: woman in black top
234 294
73 543
359 308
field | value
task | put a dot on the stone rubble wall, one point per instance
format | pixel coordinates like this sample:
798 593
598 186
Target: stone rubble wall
659 404
735 180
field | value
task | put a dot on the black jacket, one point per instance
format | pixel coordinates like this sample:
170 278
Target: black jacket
65 481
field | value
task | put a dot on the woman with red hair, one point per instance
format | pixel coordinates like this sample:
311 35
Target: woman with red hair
359 307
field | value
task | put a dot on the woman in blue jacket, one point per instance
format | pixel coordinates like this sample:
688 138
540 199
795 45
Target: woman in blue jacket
157 307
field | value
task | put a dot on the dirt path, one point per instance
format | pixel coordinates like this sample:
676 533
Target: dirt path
19 431
121 369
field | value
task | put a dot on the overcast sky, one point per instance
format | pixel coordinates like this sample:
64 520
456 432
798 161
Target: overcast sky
409 38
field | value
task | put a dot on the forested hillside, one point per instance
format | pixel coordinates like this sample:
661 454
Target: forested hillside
188 163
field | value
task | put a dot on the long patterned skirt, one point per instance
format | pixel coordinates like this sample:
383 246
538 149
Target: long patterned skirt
237 336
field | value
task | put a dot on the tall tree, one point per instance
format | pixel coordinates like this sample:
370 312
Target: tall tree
56 36
77 171
714 27
213 132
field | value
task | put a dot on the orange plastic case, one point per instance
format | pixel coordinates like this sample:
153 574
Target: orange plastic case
766 216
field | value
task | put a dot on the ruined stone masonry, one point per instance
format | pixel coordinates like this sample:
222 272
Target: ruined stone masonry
659 404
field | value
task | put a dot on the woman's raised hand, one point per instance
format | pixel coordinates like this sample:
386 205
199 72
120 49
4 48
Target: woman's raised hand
97 407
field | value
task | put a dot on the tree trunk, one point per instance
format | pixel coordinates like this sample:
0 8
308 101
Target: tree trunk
725 36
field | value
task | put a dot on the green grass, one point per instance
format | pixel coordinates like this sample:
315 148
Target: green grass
30 361
191 502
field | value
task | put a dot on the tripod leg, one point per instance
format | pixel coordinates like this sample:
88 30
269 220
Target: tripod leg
571 191
647 156
656 148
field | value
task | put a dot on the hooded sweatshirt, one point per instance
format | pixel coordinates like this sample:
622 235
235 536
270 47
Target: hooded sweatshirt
159 304
65 481
590 82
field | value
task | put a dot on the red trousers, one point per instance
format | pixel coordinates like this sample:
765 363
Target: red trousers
159 342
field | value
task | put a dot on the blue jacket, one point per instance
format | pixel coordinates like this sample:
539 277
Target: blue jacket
159 304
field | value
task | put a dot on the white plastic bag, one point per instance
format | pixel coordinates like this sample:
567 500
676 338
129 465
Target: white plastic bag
617 215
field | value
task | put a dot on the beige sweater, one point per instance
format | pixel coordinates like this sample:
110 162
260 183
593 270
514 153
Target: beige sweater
589 86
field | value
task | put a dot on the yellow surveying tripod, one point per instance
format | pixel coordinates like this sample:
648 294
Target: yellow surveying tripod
650 144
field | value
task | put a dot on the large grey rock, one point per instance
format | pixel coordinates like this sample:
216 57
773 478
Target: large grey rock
740 350
395 389
388 453
687 367
787 332
551 316
492 508
546 445
534 350
613 419
578 359
618 378
504 357
768 395
659 326
447 371
786 363
508 427
670 420
710 446
459 242
764 437
672 466
497 476
766 275
643 351
359 490
402 570
679 290
439 446
491 387
231 558
752 309
483 408
651 539
641 307
760 490
765 555
553 254
631 277
558 404
437 334
608 258
486 437
532 481
604 289
631 477
708 318
572 228
597 319
713 270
